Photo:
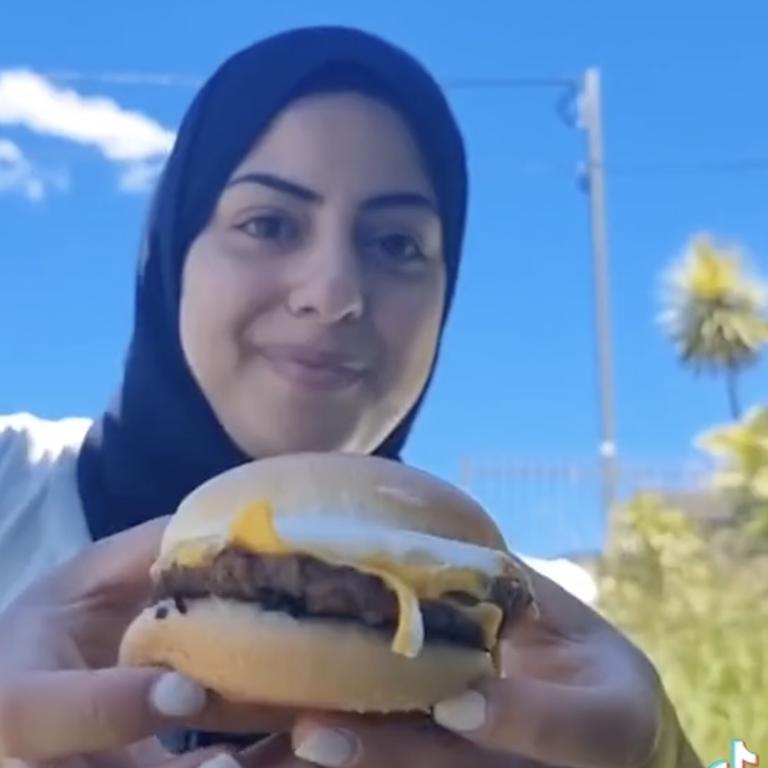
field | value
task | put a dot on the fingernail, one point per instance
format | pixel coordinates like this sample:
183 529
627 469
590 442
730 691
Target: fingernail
174 695
224 760
463 713
329 747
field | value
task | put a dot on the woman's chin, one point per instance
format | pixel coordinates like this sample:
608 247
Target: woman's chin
272 435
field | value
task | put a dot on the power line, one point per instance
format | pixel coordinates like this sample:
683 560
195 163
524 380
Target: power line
618 170
474 83
181 80
736 166
694 169
565 106
158 79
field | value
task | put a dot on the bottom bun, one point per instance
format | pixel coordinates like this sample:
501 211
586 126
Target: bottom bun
246 654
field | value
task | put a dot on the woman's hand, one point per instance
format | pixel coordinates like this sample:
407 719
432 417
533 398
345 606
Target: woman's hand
61 695
573 692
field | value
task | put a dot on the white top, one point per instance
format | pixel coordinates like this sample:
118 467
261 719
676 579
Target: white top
42 522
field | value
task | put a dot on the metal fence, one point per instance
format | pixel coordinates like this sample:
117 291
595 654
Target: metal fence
552 508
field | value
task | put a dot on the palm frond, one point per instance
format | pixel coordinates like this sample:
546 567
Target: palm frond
715 311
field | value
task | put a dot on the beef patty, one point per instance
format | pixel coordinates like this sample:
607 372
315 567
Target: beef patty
304 586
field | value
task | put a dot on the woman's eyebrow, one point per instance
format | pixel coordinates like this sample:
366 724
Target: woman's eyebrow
279 184
399 200
396 199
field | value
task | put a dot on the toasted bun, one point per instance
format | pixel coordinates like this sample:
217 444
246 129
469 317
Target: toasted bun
246 654
362 488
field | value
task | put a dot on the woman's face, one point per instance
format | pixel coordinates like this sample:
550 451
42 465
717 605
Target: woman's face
312 301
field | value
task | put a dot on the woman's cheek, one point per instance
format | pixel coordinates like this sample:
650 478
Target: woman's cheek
409 323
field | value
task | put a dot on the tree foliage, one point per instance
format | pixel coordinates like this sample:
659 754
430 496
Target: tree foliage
741 449
700 614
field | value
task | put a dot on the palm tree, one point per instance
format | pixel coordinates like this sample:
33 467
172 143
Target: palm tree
716 312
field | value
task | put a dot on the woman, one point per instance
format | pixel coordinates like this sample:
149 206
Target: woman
299 265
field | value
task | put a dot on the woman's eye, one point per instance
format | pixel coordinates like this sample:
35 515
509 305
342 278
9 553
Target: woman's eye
398 249
269 227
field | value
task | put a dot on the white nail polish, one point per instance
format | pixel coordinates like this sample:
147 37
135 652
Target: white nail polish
328 747
464 713
174 695
221 761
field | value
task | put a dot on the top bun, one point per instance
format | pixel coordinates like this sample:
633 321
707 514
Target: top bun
359 488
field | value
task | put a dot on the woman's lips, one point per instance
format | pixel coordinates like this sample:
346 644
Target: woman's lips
313 368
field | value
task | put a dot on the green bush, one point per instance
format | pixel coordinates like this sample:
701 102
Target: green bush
700 612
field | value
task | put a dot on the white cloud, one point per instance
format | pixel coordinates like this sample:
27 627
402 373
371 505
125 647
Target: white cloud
140 177
9 152
136 143
35 190
32 101
19 176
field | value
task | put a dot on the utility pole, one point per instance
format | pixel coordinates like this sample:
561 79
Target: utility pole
590 118
586 90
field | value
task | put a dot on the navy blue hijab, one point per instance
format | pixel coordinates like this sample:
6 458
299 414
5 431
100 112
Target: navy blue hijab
160 438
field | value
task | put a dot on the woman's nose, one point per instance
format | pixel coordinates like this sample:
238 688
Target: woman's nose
330 288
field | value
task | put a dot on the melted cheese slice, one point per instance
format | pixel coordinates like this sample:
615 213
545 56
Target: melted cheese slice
487 615
413 565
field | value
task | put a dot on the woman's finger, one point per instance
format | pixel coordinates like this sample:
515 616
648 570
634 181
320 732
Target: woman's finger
50 715
556 724
558 609
118 565
336 741
221 716
273 752
114 570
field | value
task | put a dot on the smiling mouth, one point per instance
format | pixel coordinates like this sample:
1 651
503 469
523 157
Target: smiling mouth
313 369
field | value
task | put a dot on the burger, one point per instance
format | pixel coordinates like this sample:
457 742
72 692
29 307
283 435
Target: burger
330 581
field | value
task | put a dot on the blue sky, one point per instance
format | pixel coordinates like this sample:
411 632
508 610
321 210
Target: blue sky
683 99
